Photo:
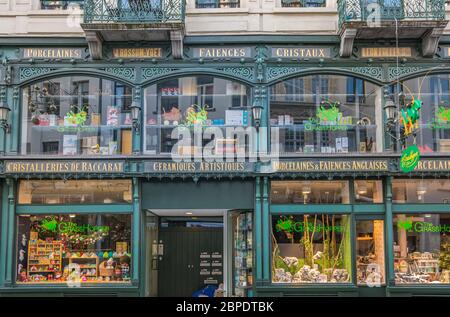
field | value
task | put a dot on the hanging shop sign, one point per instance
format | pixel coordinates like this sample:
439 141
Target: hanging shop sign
64 167
222 52
198 167
137 52
57 53
301 52
341 165
409 159
384 52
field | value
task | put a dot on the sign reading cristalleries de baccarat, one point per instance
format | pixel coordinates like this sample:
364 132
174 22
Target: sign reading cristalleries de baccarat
64 167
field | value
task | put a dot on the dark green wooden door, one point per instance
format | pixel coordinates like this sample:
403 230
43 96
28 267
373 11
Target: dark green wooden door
179 268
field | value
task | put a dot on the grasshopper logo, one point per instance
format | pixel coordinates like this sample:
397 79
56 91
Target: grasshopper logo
284 225
49 224
406 224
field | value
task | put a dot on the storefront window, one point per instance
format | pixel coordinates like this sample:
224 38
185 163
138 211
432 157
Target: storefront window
242 253
311 249
74 249
202 101
421 191
422 248
370 252
326 114
76 115
433 134
368 191
310 192
43 192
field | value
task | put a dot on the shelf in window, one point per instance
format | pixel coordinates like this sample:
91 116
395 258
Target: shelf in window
98 127
171 126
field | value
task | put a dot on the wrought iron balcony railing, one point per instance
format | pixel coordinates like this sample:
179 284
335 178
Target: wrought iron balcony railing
211 4
303 3
61 5
133 11
390 10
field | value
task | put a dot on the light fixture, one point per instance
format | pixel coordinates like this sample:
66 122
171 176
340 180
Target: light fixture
189 213
390 110
256 112
4 114
362 189
72 216
427 215
135 115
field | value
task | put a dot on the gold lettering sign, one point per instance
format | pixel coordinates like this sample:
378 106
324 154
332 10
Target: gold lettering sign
192 167
433 165
62 53
222 52
142 52
64 167
386 52
330 166
301 52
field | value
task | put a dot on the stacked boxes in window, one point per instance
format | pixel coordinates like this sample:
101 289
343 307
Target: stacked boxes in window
89 145
444 145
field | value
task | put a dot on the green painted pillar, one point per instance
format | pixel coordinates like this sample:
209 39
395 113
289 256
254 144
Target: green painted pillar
258 233
3 233
138 127
10 233
14 136
136 230
266 241
3 98
389 233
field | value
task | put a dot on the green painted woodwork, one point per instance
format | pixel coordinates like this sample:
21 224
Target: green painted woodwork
70 209
418 208
358 10
389 233
266 229
137 11
302 208
258 231
10 254
136 232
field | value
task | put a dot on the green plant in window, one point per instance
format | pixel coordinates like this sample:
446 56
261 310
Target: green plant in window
444 254
196 115
78 116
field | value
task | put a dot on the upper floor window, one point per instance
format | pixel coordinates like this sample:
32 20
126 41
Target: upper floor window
208 4
303 3
326 114
61 5
199 101
433 134
76 115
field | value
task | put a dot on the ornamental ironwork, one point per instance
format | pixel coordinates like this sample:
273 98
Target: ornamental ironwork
134 11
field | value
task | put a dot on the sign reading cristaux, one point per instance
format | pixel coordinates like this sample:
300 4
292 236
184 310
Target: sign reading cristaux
64 167
301 52
53 52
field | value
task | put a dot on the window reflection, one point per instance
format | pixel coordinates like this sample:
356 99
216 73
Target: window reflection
421 191
326 114
368 191
310 192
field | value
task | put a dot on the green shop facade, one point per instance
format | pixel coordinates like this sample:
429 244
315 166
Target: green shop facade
93 202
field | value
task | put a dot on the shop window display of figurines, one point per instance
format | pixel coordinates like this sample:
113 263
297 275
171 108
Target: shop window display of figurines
311 249
81 249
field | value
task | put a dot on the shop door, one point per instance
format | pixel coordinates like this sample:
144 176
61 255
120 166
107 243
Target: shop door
370 256
191 258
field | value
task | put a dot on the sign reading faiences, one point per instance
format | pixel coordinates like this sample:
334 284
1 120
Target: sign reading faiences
60 53
301 52
195 167
330 166
64 167
141 52
386 52
222 52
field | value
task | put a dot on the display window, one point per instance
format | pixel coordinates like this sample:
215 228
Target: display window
74 249
370 253
421 191
76 115
310 192
197 101
43 192
422 248
368 191
326 114
433 133
313 248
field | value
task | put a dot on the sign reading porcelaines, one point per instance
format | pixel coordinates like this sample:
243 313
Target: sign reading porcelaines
54 52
